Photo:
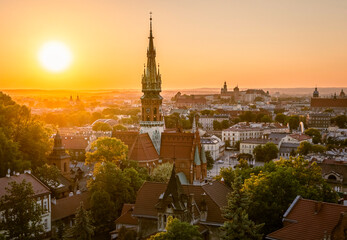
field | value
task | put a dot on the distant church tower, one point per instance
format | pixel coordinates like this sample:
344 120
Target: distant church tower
315 93
151 101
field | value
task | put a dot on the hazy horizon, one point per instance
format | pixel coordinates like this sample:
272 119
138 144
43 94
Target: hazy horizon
272 43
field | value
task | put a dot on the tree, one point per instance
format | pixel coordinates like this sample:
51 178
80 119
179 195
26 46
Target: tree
304 148
237 145
24 140
209 160
265 119
225 124
175 229
238 225
315 134
101 126
265 153
217 125
83 229
119 127
107 150
102 210
293 122
281 118
111 179
161 173
48 174
340 121
273 189
20 212
126 234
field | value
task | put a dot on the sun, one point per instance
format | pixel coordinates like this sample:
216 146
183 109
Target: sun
55 56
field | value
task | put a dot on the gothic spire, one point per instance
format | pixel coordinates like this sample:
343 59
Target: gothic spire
151 80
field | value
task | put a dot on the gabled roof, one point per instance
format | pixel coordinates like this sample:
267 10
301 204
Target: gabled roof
126 215
216 198
140 145
66 207
176 145
38 187
75 142
309 220
300 137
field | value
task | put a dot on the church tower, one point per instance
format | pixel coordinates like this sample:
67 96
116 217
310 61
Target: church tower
59 157
152 121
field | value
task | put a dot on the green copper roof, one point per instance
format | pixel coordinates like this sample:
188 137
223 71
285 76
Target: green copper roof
203 155
183 179
197 157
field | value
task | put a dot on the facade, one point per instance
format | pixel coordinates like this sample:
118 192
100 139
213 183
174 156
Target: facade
42 194
309 219
196 204
206 122
319 120
247 146
287 149
152 121
59 157
248 96
214 145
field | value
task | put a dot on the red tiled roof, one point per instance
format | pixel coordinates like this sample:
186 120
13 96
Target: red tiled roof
300 137
176 145
66 207
75 142
329 102
126 216
38 187
140 146
216 198
305 222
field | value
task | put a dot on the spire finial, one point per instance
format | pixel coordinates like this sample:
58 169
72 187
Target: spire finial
150 19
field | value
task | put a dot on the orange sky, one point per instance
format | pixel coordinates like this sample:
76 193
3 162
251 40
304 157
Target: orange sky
200 43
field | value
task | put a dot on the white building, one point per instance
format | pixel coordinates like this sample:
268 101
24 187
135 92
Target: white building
206 122
242 131
214 145
42 194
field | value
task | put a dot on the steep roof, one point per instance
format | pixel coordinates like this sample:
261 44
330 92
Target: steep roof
126 215
176 145
329 102
300 137
38 187
140 145
216 198
75 142
66 207
309 220
196 156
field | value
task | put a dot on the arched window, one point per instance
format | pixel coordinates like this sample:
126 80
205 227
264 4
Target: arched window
332 177
155 110
65 167
147 118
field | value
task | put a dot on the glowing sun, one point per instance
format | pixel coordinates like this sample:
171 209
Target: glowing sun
55 56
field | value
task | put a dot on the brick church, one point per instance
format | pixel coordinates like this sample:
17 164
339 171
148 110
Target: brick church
154 144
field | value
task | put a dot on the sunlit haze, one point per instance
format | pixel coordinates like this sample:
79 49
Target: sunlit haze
199 43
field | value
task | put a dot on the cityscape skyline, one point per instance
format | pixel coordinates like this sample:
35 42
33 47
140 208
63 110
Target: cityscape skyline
254 45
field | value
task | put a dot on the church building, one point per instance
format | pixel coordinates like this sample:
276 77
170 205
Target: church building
154 144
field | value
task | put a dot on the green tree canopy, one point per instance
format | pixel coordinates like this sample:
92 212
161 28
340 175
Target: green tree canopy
281 118
83 229
315 134
119 127
209 160
265 153
238 225
294 122
24 141
107 150
273 189
175 229
48 174
20 212
217 125
101 126
161 173
340 121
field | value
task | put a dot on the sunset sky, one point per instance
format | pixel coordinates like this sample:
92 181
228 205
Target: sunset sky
200 43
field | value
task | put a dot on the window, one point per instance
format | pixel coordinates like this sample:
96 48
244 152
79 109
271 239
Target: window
45 223
65 168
